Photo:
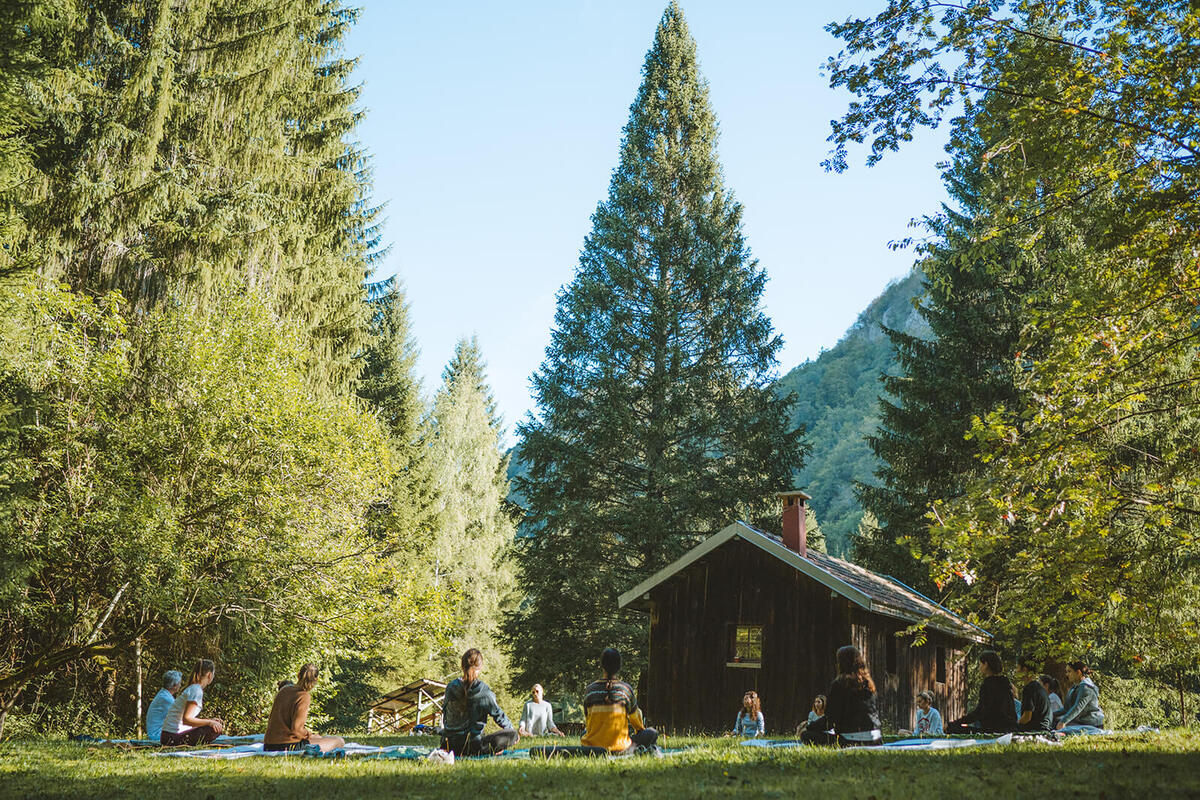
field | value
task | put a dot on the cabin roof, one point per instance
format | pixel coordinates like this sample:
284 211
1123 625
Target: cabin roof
879 594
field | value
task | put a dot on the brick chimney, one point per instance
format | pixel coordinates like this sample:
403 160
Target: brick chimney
795 537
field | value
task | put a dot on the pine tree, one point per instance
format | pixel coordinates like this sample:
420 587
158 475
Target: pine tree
656 423
23 26
472 546
972 302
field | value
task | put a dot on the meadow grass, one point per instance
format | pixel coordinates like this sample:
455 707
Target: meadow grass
1144 765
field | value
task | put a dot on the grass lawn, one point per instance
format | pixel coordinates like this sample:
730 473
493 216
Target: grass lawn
1143 765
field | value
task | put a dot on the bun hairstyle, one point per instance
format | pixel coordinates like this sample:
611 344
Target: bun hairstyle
306 679
927 696
1079 666
853 668
610 662
203 667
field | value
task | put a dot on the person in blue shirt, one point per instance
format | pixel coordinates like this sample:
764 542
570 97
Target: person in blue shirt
749 721
929 719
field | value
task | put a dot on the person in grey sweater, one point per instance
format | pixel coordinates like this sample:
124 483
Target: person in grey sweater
1082 708
468 704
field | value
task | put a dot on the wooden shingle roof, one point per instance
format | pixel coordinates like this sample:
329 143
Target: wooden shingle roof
879 594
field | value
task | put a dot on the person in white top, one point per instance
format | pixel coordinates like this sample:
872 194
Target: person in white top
181 725
157 712
538 717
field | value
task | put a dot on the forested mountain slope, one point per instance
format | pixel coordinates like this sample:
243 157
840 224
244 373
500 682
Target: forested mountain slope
837 402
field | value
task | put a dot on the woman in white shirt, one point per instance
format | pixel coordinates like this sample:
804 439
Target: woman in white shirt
537 719
181 725
1051 684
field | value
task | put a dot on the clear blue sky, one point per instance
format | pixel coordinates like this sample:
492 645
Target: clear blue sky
495 129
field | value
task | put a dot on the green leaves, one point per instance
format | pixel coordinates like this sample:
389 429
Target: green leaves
185 474
1076 509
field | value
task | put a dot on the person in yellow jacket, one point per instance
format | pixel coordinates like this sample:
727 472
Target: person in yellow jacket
611 709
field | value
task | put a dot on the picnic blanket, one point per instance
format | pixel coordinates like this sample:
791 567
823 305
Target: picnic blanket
903 744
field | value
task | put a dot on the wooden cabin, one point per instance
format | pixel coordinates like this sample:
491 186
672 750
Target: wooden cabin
747 609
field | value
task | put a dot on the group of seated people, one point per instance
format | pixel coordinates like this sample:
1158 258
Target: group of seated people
609 704
172 718
1038 708
847 715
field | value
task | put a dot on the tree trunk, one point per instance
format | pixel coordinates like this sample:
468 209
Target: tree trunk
137 657
1182 700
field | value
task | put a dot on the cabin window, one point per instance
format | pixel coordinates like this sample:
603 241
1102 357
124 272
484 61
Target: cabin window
940 662
890 654
745 645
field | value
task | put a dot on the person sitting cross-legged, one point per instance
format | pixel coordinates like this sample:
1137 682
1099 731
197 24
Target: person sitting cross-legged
537 718
466 708
286 726
996 711
851 714
1036 715
611 708
929 719
156 714
1082 712
749 721
181 725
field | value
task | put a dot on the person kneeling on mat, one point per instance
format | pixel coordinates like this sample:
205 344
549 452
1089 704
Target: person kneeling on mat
611 708
468 704
286 726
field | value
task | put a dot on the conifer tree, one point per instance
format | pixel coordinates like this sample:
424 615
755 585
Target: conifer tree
973 302
471 550
656 423
189 146
389 383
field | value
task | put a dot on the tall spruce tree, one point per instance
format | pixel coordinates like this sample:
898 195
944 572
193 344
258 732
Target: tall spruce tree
187 146
389 383
655 423
471 549
974 303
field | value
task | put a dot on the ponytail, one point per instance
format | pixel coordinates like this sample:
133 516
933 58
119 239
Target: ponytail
203 667
472 659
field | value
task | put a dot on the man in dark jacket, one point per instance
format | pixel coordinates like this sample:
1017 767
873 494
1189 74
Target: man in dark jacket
996 711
